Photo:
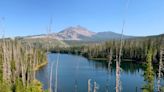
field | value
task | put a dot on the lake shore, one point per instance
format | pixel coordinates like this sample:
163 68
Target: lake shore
40 65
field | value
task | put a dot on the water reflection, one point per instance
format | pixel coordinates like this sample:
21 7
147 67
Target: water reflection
127 67
74 72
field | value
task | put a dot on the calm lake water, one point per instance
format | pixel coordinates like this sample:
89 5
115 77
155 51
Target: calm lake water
76 70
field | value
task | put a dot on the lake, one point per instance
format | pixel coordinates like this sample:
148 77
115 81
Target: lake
75 71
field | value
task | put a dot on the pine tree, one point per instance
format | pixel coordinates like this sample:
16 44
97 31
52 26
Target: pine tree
149 74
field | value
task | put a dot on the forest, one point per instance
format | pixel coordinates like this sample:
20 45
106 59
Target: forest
20 61
134 49
18 64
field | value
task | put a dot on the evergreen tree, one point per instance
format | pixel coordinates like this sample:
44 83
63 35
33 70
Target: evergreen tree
149 74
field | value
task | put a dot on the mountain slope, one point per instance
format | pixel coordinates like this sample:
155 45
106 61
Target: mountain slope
108 35
77 34
83 34
74 33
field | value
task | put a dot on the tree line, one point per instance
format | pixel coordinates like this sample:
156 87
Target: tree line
134 49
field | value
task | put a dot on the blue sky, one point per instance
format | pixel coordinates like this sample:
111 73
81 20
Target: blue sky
30 17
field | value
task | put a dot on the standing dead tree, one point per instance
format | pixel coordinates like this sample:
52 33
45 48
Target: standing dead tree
47 48
6 47
117 73
89 85
95 87
161 66
6 63
56 78
110 57
76 75
49 34
18 62
118 59
51 73
56 74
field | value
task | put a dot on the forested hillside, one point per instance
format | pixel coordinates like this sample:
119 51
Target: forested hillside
42 42
134 48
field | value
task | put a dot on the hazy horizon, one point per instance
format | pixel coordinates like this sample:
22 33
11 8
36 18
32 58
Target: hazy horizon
32 17
81 26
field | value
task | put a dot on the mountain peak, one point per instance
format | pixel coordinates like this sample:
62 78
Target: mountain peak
74 33
78 29
81 33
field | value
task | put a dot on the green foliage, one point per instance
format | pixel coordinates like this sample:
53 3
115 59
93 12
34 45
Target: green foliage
5 87
162 89
47 90
35 86
149 74
19 86
145 90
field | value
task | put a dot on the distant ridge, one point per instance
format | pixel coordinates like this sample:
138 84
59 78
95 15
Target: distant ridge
79 33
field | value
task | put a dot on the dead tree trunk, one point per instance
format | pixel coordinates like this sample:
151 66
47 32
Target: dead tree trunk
117 73
118 61
51 75
160 70
89 85
56 80
95 87
6 63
